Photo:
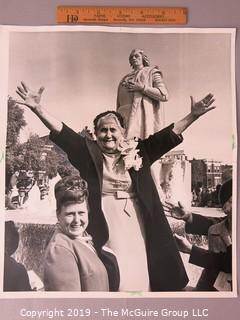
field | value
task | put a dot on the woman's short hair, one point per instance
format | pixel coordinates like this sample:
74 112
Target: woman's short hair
70 189
145 59
104 114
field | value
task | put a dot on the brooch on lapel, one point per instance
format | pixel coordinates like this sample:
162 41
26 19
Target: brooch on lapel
129 154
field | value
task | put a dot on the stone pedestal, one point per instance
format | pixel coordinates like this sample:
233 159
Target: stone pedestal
175 178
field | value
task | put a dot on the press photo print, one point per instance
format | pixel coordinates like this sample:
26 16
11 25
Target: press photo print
118 148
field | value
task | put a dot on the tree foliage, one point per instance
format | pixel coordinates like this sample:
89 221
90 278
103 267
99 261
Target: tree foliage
15 122
37 154
199 173
34 157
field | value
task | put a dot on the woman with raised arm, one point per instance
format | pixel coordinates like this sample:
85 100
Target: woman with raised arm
126 213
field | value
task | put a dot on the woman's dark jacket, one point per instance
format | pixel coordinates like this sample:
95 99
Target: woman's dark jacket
166 270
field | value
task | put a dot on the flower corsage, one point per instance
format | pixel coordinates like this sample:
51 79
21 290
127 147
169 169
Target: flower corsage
129 154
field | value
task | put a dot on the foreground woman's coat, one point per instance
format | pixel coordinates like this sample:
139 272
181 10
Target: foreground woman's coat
73 265
166 270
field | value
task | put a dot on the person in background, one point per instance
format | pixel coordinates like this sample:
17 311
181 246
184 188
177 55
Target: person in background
15 275
43 192
20 201
8 202
14 179
71 262
217 260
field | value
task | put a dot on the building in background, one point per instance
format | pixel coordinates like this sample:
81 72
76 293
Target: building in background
209 173
214 173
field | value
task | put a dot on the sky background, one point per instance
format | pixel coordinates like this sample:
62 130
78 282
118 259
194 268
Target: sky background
81 72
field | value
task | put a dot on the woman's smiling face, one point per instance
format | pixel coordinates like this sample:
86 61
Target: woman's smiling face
73 219
108 135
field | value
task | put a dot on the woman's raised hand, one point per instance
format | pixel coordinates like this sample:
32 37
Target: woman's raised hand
32 99
203 106
29 97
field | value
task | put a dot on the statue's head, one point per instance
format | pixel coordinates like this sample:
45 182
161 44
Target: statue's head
144 57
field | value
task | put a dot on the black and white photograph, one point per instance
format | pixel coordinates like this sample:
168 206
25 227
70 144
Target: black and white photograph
119 151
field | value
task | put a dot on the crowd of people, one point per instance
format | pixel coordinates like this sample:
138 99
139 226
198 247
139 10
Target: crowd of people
29 190
206 197
112 233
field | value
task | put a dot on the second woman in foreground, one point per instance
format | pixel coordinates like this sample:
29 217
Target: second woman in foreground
71 262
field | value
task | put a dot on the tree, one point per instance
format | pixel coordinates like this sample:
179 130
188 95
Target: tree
28 155
63 166
15 122
199 173
37 154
